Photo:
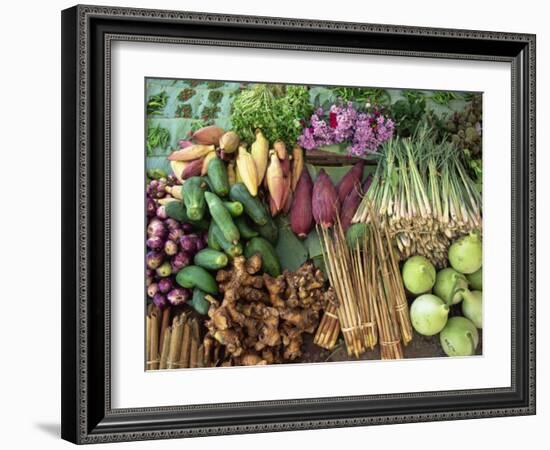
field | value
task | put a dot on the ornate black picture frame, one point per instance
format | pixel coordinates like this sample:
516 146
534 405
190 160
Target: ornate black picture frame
87 35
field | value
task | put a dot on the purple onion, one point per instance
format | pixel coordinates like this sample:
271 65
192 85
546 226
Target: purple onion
179 261
154 259
172 224
154 184
161 189
155 242
187 244
161 212
170 248
151 207
164 270
165 284
178 296
149 272
160 300
156 228
148 280
199 243
152 289
175 234
187 227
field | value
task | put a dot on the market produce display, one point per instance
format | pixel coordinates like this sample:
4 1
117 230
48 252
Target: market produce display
294 223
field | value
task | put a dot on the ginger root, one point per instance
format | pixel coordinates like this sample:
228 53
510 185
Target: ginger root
261 319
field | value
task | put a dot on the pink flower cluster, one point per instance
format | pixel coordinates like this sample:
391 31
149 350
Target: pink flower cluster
364 131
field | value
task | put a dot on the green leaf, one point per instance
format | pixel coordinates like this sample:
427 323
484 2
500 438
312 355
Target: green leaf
291 252
319 262
313 244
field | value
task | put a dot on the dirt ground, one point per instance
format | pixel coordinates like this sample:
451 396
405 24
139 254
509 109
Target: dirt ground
419 347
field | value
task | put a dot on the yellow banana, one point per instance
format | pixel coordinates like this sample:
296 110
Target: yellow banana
260 151
247 170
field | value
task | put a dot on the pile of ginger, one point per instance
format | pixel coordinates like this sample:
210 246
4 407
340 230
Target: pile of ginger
261 319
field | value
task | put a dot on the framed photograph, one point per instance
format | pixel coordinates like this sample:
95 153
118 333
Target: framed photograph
282 224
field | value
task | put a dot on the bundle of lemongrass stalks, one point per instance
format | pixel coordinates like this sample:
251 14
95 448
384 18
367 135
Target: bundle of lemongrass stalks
172 346
372 307
424 197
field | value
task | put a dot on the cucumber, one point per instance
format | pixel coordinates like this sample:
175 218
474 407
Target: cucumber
193 197
212 241
269 231
217 174
235 208
210 259
244 229
195 276
176 210
228 247
221 216
253 207
270 262
198 302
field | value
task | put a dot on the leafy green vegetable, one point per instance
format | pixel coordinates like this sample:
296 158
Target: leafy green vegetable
156 174
157 137
413 96
214 84
185 111
292 108
361 95
254 108
156 103
408 114
186 94
197 124
475 168
443 97
275 109
210 112
215 97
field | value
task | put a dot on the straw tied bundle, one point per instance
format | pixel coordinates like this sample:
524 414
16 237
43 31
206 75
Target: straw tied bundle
172 347
372 307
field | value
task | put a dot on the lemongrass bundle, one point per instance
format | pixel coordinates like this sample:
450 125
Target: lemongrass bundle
373 308
390 275
424 197
337 261
329 328
346 272
152 338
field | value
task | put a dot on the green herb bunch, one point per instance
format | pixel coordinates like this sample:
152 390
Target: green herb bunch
156 103
274 109
157 137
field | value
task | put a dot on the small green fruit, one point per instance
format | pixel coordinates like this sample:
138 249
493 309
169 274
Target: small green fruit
418 274
459 337
429 314
476 279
